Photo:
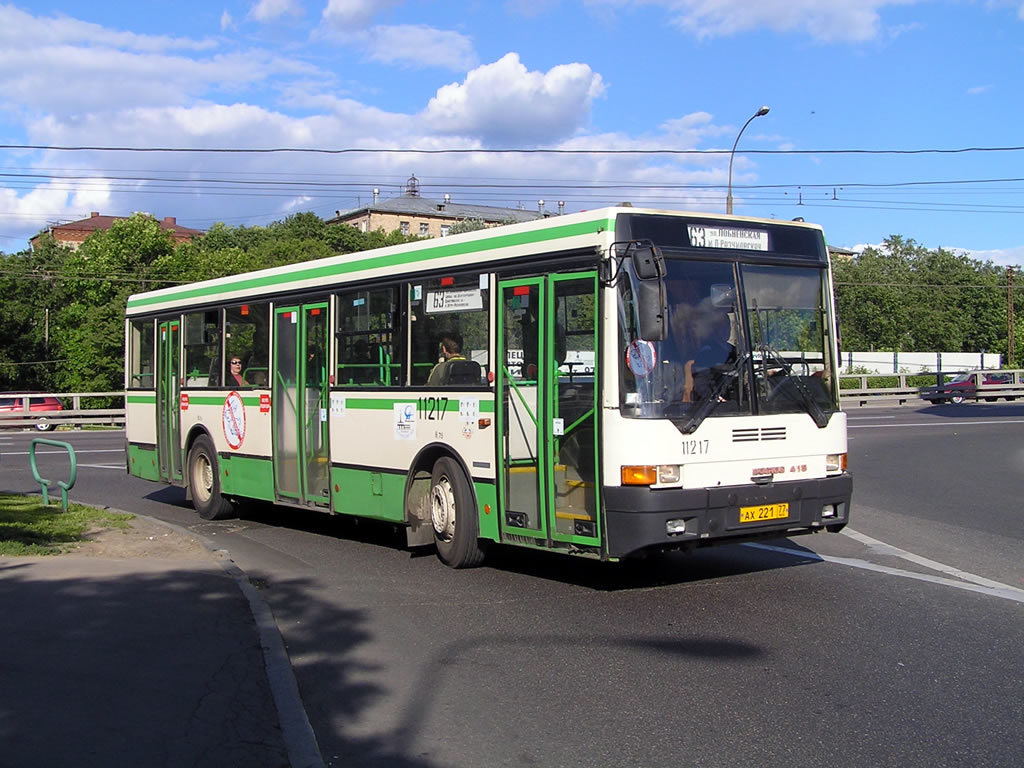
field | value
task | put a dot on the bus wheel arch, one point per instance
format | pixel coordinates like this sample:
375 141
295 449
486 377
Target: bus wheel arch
203 477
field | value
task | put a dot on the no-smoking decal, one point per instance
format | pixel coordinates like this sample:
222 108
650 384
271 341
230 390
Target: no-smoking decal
640 357
233 419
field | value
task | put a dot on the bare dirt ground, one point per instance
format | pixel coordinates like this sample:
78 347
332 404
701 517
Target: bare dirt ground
144 538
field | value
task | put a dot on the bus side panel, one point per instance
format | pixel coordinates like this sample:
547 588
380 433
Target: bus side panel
487 508
386 431
245 465
140 418
368 493
143 462
248 476
140 435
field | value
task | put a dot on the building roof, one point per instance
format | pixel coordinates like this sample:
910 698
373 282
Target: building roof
97 222
414 205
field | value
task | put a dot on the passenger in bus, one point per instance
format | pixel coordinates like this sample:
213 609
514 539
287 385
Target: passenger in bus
235 372
450 349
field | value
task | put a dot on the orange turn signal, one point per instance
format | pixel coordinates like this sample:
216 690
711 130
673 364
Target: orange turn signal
640 475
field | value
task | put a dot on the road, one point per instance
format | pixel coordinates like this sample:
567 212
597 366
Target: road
897 645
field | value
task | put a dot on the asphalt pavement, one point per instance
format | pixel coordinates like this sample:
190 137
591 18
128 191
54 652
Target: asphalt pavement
155 661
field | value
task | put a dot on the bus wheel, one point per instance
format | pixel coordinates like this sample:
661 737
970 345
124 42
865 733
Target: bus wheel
453 516
204 481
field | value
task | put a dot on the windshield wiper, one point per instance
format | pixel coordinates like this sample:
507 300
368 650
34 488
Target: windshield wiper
810 404
708 403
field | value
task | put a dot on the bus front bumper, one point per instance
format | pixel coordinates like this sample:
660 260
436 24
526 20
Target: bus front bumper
639 518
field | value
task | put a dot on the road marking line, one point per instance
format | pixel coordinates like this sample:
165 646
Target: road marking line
887 549
103 466
1004 591
938 424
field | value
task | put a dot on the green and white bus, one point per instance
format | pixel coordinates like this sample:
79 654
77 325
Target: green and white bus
603 384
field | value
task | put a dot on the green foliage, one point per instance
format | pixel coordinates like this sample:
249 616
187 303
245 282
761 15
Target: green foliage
905 297
62 318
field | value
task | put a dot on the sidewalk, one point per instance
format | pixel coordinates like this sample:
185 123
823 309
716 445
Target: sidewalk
154 661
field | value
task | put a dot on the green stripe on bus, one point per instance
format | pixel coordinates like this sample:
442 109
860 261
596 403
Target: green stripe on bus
399 259
143 399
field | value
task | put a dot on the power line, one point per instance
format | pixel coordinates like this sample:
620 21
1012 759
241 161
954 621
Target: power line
510 150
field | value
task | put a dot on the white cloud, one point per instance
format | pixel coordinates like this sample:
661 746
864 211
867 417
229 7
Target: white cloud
226 22
824 20
271 10
505 104
345 15
979 89
417 45
69 79
20 30
1006 257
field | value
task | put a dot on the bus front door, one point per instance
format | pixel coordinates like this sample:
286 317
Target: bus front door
547 409
300 398
168 401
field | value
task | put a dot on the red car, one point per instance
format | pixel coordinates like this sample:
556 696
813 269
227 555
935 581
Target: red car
14 403
964 386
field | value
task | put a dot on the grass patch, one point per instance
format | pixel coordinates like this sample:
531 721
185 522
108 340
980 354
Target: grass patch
27 527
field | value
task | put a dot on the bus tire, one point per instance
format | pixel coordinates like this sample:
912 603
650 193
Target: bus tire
204 481
453 516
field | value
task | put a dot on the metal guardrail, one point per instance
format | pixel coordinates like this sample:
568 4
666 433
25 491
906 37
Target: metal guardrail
78 414
903 393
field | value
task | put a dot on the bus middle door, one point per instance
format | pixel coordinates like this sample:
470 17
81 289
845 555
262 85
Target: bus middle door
300 397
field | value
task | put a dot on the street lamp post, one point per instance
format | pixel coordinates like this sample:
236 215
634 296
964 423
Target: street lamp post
728 197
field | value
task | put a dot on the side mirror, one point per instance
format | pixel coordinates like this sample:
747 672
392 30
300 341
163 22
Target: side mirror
648 262
652 310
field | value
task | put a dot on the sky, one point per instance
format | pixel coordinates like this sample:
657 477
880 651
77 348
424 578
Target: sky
887 117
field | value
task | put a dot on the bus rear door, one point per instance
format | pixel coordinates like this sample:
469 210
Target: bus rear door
168 401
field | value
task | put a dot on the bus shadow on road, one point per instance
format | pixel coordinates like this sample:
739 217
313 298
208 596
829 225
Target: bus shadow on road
653 570
649 570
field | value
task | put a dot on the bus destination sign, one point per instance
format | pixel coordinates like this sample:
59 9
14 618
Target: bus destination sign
728 237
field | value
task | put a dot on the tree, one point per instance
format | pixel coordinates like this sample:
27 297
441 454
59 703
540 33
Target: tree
905 297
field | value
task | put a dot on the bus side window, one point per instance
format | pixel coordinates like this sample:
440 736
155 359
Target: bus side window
370 350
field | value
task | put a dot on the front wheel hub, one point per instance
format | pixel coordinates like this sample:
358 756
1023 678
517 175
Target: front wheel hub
442 509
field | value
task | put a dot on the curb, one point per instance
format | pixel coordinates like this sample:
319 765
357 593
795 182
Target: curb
296 731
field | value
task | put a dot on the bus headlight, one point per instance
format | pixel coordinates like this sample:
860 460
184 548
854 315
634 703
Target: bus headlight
647 474
668 474
835 462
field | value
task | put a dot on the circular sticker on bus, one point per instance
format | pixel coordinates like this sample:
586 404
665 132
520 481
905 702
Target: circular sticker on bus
640 357
233 419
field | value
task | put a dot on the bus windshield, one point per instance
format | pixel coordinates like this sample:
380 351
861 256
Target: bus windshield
742 339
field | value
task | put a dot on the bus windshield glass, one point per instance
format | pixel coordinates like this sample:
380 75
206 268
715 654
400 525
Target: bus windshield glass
742 339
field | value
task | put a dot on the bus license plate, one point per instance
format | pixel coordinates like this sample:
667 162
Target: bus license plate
764 512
